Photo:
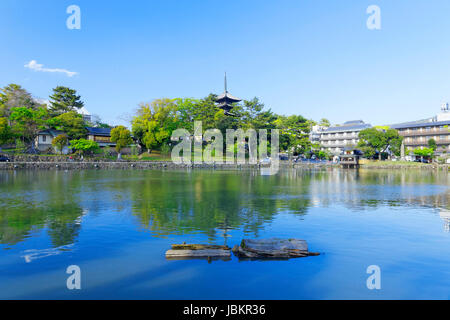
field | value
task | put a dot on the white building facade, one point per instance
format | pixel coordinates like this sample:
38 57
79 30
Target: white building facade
335 139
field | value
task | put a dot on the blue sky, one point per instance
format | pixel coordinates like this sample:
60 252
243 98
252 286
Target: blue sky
314 58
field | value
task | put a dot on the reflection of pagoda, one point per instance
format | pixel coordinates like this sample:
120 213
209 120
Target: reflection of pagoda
445 216
225 100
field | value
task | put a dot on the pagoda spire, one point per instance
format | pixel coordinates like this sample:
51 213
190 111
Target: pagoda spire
225 101
226 90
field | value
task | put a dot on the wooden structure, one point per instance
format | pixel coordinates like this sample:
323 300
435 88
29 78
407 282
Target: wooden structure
186 251
350 159
225 101
44 138
100 135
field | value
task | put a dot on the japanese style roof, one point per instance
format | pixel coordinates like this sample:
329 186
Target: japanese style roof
349 126
106 132
226 97
51 132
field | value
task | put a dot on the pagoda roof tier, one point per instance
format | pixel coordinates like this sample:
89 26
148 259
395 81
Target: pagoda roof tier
225 106
226 97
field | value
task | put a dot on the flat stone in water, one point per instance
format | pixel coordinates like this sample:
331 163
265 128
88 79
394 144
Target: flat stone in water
272 248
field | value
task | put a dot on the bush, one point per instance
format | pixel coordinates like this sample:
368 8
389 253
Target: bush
165 149
84 146
134 150
60 142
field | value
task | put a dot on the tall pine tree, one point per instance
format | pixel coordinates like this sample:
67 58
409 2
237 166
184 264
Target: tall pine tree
64 100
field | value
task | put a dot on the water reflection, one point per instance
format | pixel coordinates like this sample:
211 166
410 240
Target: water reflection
445 216
369 189
31 201
210 202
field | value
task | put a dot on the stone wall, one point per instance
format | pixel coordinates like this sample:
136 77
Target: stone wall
109 165
115 165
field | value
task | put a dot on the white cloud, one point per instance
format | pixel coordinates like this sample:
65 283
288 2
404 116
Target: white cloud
33 65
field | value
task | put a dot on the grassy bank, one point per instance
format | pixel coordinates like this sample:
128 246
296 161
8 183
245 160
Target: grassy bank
386 163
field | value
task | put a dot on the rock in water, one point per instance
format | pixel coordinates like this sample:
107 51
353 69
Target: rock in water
273 248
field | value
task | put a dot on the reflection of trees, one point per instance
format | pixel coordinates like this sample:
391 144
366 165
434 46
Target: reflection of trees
34 200
205 201
211 202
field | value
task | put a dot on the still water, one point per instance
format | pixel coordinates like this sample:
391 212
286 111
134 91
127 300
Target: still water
117 225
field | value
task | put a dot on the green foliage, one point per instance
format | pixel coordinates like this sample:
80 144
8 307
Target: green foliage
432 144
155 122
107 151
393 141
84 146
6 134
71 123
294 134
60 142
14 96
64 100
323 155
134 150
324 122
424 152
27 122
373 140
165 149
122 137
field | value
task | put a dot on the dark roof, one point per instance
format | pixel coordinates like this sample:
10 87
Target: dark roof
353 122
227 97
52 132
99 131
348 128
418 124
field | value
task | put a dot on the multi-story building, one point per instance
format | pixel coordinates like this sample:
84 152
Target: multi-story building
335 139
417 134
315 133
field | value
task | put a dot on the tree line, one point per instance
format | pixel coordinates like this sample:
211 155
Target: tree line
22 117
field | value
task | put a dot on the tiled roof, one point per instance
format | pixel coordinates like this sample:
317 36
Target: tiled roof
348 128
227 96
99 131
418 124
52 132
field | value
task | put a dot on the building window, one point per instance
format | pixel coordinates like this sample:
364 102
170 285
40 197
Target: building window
44 138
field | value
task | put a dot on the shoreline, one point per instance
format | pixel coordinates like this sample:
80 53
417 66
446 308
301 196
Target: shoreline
144 165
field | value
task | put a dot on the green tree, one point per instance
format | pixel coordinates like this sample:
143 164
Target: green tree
6 134
255 116
424 152
14 96
71 123
372 141
122 137
324 122
64 100
26 122
393 141
154 123
432 144
84 146
60 142
294 134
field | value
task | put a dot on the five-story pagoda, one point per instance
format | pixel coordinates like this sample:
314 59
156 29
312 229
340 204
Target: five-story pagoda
225 100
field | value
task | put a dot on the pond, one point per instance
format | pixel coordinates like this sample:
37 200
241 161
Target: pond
116 226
